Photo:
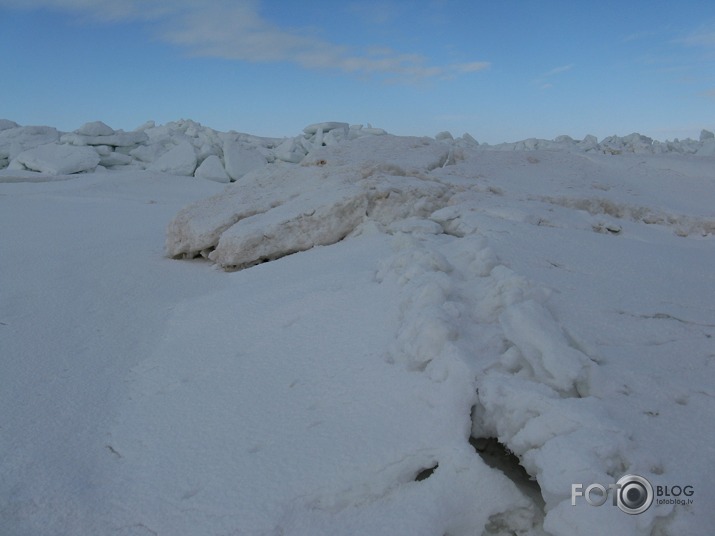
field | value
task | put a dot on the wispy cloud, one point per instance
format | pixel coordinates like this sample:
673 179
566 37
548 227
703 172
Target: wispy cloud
557 70
235 29
543 81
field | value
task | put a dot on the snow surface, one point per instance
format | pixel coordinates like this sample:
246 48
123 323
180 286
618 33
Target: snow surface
424 296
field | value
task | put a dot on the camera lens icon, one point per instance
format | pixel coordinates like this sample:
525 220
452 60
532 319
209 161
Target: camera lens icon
635 494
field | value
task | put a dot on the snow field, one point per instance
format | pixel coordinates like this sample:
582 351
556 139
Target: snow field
444 294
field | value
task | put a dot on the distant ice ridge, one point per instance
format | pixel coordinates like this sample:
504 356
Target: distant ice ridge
187 148
183 148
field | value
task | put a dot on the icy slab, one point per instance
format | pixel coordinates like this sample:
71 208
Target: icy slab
212 169
113 159
296 225
59 159
13 141
95 128
282 208
325 127
179 160
240 160
118 139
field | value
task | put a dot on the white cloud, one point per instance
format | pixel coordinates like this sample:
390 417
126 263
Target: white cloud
235 29
543 80
557 70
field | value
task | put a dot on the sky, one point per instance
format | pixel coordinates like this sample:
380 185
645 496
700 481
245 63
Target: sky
501 70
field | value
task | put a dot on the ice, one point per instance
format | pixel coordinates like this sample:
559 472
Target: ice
6 124
15 140
296 225
325 127
394 303
240 160
95 128
118 139
277 210
59 159
179 160
212 169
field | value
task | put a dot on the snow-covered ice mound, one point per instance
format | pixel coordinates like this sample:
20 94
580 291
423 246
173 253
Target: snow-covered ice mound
539 387
283 208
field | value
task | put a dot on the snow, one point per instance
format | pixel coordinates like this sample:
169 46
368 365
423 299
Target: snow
364 314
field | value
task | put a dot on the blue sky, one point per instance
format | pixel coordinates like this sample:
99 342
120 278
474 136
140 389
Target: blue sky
502 70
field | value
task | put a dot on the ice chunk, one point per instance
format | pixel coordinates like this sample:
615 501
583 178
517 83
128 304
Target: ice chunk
325 127
95 128
240 160
118 139
148 153
6 124
290 228
114 158
290 151
59 159
13 141
180 160
212 169
281 208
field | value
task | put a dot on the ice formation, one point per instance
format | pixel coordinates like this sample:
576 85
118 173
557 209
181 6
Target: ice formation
182 147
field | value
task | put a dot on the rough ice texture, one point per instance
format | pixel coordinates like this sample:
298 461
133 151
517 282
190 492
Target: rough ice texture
282 208
59 159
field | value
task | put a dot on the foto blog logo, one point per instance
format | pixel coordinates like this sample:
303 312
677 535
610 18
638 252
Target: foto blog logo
632 494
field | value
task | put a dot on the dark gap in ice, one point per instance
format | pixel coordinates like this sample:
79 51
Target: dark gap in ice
498 456
425 473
